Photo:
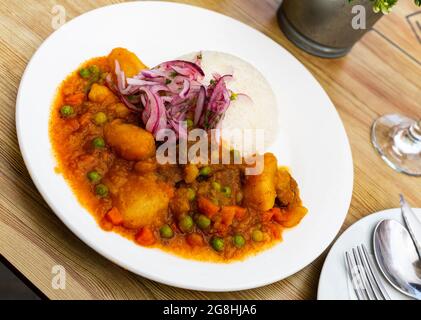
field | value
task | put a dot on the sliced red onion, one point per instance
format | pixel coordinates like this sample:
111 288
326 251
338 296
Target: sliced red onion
199 105
159 87
216 76
186 89
164 99
139 82
110 83
121 79
179 128
220 98
154 112
195 70
153 73
129 105
183 71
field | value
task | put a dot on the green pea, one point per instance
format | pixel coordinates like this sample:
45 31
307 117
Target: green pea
67 111
239 241
226 191
100 118
217 244
205 171
216 186
94 69
101 190
191 194
202 221
189 123
186 224
166 232
98 142
257 235
84 73
94 176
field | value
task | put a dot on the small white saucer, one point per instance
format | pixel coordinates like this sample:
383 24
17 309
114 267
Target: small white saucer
333 282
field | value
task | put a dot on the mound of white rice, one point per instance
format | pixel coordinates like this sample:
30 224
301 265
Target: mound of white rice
258 113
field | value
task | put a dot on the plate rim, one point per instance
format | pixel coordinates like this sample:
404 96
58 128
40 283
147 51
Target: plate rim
375 216
123 264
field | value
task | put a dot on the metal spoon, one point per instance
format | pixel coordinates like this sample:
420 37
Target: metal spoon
397 257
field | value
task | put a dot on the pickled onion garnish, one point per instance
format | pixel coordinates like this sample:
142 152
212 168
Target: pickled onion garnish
168 94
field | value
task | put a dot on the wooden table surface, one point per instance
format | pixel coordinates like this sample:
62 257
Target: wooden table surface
381 75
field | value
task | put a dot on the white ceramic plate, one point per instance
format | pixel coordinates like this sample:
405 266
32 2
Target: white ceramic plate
333 282
312 138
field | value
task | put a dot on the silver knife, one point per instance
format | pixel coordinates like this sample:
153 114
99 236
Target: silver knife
413 224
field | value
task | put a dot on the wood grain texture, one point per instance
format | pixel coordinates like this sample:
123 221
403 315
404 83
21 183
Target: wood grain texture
381 75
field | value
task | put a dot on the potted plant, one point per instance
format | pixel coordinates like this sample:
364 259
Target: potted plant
330 28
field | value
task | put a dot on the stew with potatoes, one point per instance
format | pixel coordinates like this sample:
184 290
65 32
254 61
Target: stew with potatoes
210 212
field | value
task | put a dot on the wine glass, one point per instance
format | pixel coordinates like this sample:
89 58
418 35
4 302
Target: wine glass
398 140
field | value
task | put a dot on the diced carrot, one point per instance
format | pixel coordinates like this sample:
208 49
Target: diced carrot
240 213
228 214
195 240
75 99
145 237
70 125
114 216
268 215
280 216
106 225
276 230
170 192
85 162
207 207
85 118
221 228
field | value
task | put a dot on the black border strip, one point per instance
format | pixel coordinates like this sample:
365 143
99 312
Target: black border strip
22 278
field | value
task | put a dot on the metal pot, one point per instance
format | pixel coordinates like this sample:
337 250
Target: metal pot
325 27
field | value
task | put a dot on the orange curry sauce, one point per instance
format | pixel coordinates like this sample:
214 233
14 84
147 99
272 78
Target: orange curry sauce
222 207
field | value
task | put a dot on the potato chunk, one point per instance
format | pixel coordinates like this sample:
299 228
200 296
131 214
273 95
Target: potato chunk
131 142
191 172
101 93
129 62
142 201
286 188
259 190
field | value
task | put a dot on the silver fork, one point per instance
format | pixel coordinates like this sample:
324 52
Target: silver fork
364 277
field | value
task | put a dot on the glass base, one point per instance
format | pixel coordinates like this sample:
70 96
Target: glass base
390 137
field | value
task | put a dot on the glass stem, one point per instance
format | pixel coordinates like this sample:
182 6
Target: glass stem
415 131
408 141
